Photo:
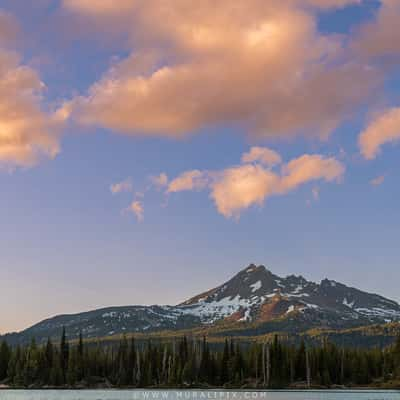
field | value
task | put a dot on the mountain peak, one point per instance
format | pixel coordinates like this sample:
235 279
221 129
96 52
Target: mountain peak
254 268
255 292
250 268
254 295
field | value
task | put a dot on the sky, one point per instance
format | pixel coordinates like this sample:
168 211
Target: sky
149 150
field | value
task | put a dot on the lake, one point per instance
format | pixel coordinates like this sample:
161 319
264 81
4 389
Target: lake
196 395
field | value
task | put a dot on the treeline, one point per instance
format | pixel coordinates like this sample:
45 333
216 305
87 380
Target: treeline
192 362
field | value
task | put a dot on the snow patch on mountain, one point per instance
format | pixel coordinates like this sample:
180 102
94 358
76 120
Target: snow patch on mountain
378 312
246 316
254 295
209 312
290 309
347 303
256 286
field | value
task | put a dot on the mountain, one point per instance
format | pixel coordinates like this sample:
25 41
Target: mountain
257 295
253 302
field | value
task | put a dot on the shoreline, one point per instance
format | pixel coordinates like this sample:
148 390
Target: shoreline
210 389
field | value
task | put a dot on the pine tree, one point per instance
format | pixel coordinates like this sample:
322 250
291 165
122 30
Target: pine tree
49 359
72 369
205 362
30 369
132 362
224 366
80 369
64 354
396 357
194 362
56 373
5 356
14 364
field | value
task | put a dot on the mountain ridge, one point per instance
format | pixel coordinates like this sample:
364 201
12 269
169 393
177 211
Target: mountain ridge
254 298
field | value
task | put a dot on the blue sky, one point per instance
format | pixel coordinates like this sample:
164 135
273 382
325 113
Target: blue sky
69 244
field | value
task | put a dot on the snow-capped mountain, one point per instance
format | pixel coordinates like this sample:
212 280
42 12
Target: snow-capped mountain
253 297
256 294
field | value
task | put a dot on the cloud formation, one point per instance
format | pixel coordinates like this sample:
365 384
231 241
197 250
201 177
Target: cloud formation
325 4
136 207
380 37
120 8
159 181
378 180
315 193
8 28
189 180
263 155
240 187
124 186
260 64
382 130
308 168
237 188
27 133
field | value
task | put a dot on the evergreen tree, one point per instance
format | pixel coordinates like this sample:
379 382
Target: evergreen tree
64 354
31 365
195 362
80 362
224 366
5 356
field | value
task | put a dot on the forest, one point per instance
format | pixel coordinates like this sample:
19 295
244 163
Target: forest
190 362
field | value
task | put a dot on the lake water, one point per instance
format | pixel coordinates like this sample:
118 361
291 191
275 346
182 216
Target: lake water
195 395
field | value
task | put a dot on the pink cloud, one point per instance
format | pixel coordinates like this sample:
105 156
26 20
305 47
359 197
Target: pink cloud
382 130
27 133
378 180
263 155
189 180
308 168
315 193
332 3
261 64
237 188
160 181
124 186
137 209
8 28
380 37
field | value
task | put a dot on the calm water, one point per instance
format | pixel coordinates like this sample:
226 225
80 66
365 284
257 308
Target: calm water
195 395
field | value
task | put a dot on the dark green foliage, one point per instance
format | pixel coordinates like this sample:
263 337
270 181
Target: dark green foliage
64 354
5 355
193 362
